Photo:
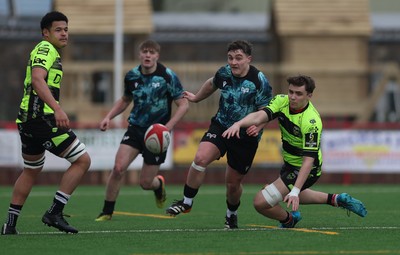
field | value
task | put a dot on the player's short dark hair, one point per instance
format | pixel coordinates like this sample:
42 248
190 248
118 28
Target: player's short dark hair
50 17
301 80
245 46
150 44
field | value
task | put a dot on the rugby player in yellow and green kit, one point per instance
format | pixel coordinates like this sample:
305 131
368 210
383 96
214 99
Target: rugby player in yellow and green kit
43 125
301 129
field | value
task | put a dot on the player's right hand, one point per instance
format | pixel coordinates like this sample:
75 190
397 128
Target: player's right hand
232 131
104 124
189 96
62 120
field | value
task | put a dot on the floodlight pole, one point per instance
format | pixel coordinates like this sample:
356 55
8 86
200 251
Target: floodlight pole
118 58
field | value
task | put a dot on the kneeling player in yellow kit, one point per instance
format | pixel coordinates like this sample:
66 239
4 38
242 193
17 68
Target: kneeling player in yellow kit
301 129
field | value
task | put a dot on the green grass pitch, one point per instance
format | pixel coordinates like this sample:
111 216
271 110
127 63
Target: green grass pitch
139 227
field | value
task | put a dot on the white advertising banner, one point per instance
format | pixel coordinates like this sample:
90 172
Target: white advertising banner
10 148
102 147
353 151
366 151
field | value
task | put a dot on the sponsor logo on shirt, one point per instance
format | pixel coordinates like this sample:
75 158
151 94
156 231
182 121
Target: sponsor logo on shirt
311 140
39 61
43 51
211 136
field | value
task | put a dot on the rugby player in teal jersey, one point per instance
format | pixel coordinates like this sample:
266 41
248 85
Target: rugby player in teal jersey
301 129
43 125
152 88
244 89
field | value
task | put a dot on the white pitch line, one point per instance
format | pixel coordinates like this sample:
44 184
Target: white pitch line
204 230
143 231
357 228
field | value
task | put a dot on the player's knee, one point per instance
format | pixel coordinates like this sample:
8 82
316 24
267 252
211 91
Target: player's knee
35 164
198 167
259 204
75 151
271 194
232 187
118 170
84 161
201 160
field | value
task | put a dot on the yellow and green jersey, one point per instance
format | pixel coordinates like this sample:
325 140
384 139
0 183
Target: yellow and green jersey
301 132
45 56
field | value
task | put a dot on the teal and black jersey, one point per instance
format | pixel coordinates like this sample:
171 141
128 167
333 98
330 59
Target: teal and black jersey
301 132
240 96
152 95
45 56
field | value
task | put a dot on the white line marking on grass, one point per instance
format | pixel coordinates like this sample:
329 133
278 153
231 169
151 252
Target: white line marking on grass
144 215
307 230
260 229
289 252
359 228
142 231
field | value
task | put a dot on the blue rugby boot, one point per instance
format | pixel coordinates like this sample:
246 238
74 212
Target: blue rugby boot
295 217
345 201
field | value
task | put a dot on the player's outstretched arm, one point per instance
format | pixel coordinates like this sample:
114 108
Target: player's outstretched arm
118 108
205 91
182 108
254 118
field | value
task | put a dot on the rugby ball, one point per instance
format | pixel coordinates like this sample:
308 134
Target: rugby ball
157 138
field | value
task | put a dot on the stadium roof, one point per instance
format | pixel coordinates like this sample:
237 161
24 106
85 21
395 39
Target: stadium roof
25 8
255 26
386 27
200 27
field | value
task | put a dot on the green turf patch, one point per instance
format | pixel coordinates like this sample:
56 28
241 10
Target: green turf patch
139 227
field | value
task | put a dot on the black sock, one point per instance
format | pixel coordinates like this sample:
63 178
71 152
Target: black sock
159 189
331 199
108 207
232 207
59 201
288 218
13 213
189 192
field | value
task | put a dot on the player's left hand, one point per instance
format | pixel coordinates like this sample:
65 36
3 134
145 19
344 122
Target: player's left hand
293 198
253 130
62 120
292 201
